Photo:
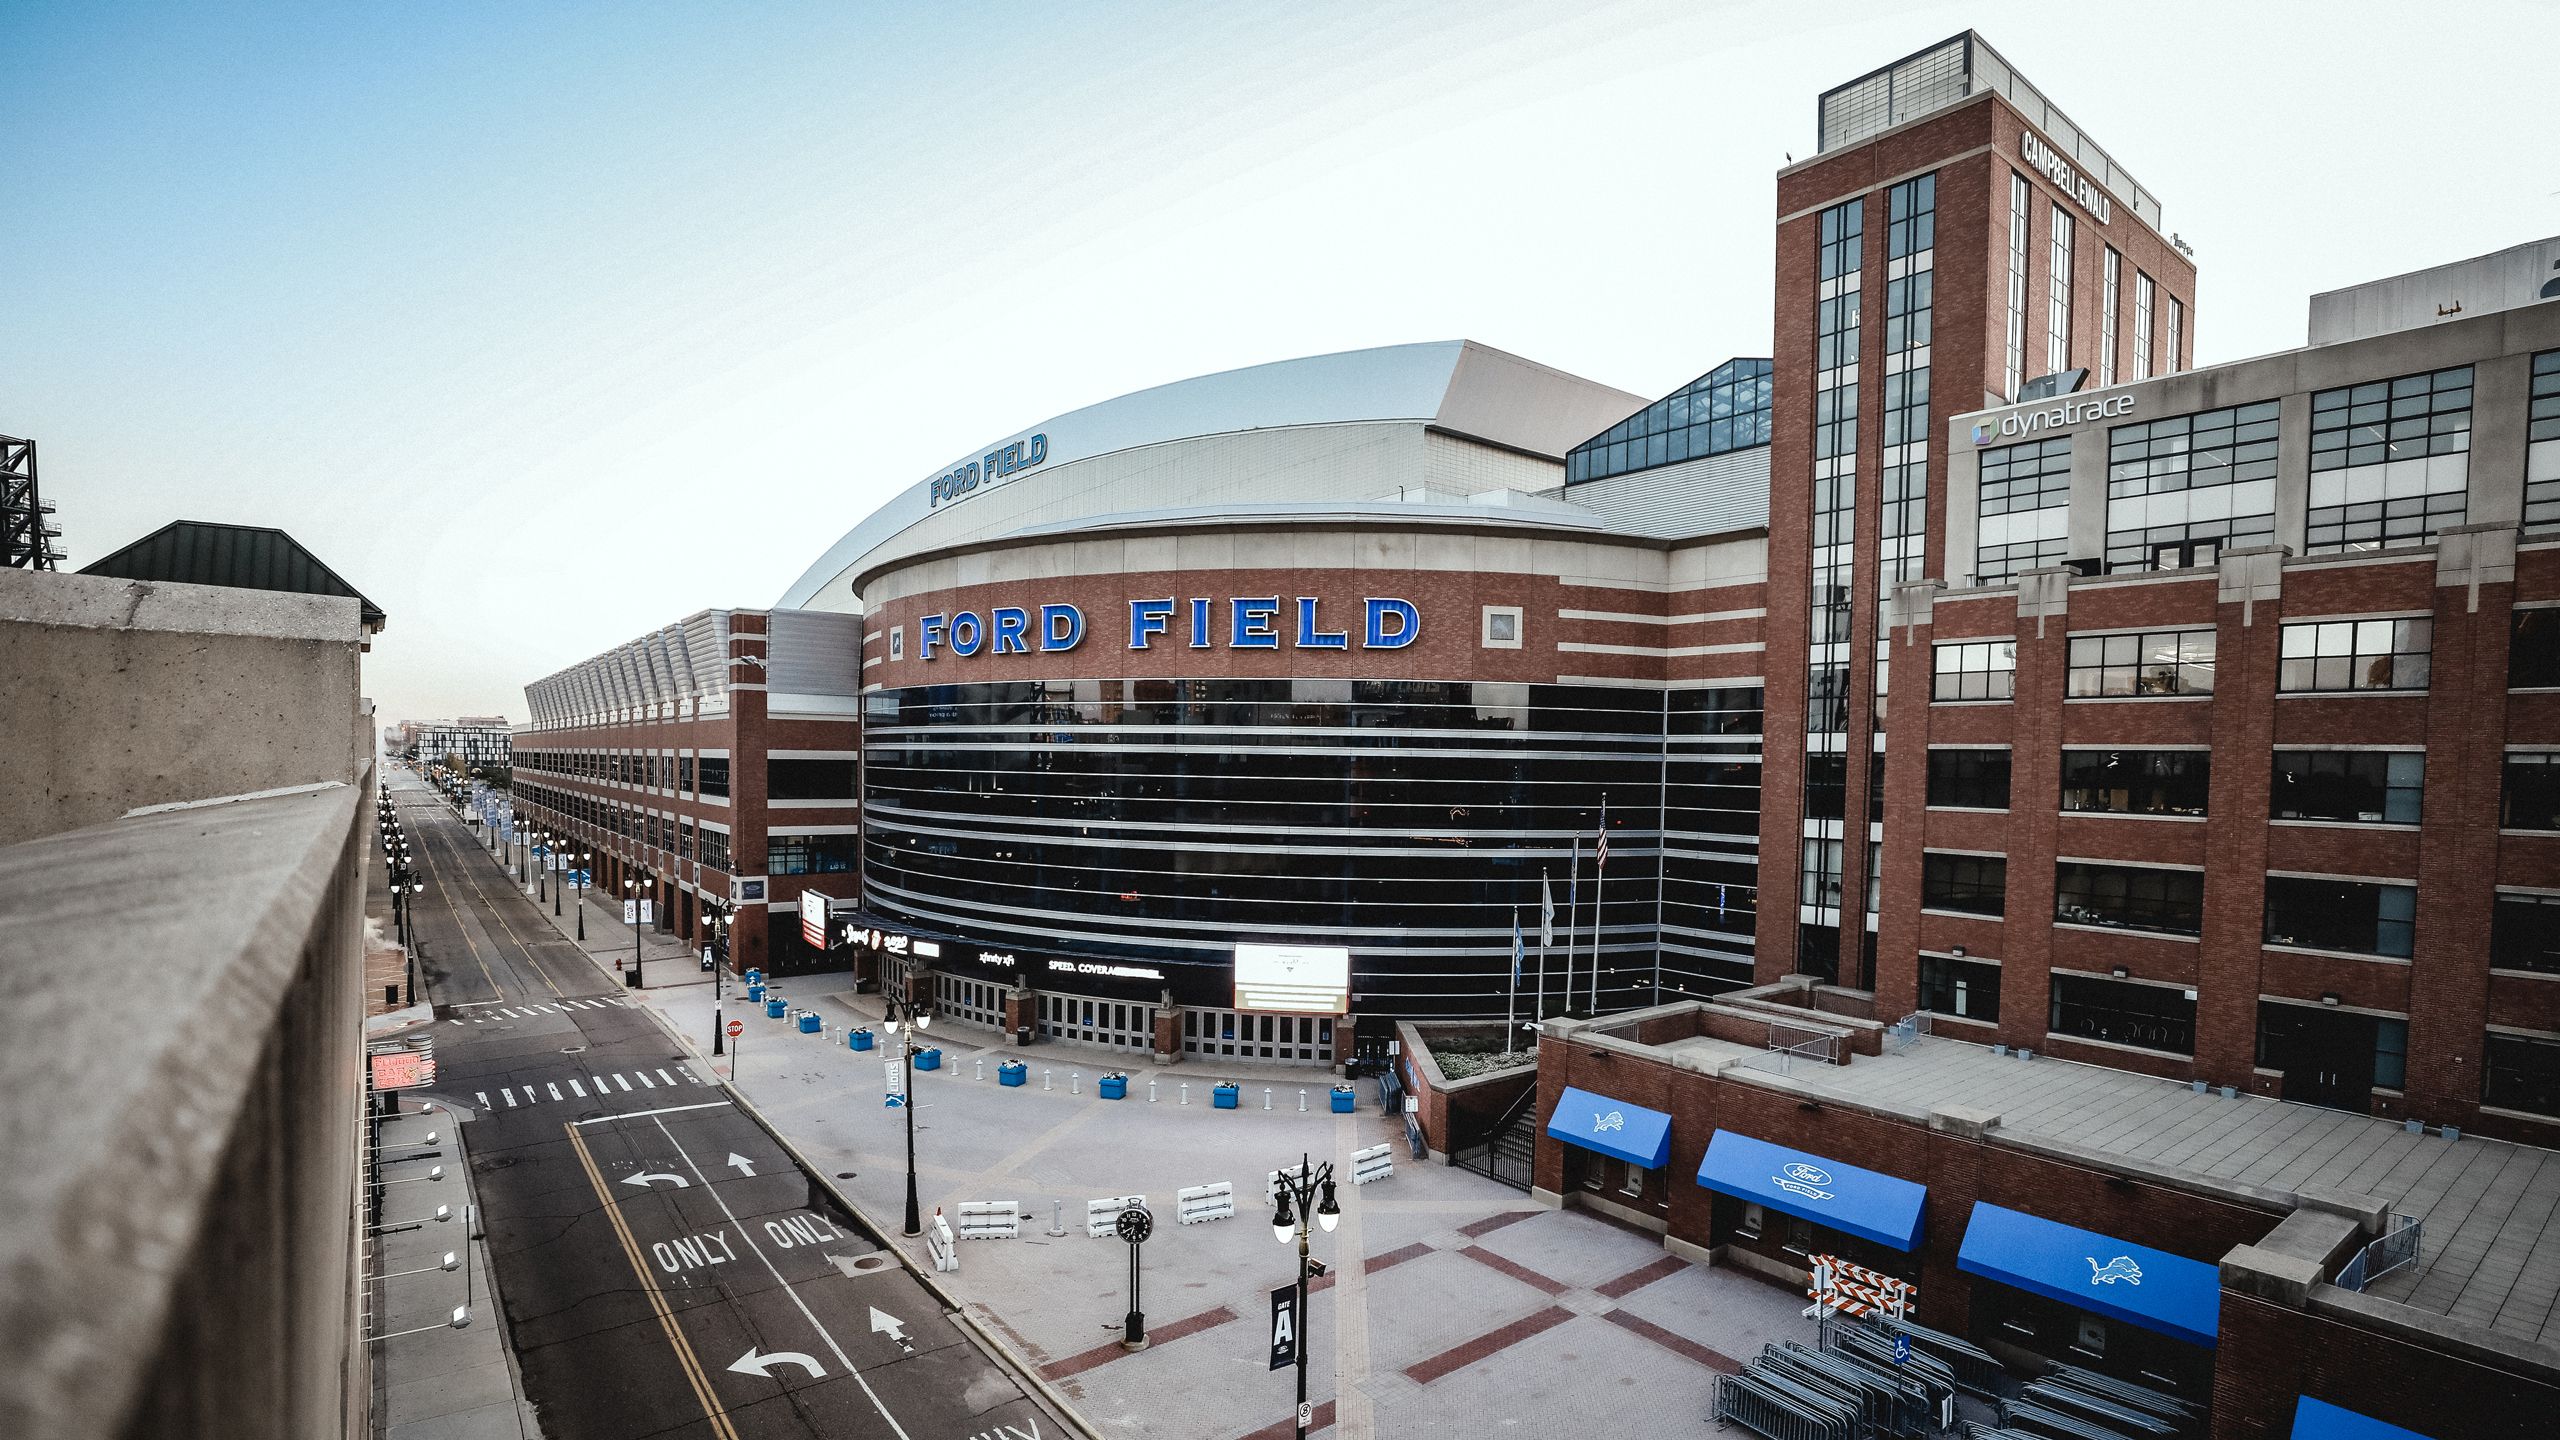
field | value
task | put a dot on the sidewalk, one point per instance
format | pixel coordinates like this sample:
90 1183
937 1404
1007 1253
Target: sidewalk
1454 1306
440 1383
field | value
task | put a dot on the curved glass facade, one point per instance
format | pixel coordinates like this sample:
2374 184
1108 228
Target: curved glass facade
1167 820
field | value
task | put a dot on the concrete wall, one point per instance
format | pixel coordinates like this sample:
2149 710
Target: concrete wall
126 693
178 1210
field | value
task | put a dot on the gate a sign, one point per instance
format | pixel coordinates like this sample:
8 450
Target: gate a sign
1284 1327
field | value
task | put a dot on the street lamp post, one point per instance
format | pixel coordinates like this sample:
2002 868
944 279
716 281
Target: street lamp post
1302 1192
409 921
585 857
719 962
903 1011
542 866
631 891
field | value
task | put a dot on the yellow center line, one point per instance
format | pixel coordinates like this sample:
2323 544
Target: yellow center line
459 928
685 1358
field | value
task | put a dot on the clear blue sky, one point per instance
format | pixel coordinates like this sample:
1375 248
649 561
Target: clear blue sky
547 323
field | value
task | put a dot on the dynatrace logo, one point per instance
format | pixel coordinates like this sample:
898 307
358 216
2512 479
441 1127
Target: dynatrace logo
2019 424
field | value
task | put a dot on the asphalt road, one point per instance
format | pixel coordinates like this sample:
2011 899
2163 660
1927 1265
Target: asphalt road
664 1268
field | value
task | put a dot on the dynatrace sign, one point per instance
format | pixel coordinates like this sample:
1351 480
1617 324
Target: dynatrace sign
1244 623
2019 424
995 465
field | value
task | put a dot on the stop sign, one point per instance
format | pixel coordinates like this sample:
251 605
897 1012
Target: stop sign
737 1027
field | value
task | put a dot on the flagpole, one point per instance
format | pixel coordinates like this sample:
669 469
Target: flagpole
1546 932
1572 920
1511 1011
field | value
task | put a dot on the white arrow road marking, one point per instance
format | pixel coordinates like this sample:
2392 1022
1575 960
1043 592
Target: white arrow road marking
753 1363
741 1164
643 1180
884 1323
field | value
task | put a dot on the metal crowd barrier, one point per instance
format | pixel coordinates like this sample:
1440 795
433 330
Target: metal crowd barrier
1770 1406
1933 1375
1977 1371
2121 1420
2157 1403
2053 1424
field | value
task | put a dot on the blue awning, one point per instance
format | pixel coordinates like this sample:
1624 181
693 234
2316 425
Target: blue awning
2154 1289
1871 1206
2320 1420
1612 1127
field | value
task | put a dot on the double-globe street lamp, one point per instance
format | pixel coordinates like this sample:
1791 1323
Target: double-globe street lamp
584 857
718 919
632 889
903 1011
1300 1203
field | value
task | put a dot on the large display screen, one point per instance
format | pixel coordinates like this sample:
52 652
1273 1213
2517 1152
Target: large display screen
1294 979
813 918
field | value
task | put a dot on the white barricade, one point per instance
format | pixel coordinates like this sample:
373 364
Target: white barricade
938 1243
1196 1203
1272 1178
1378 1162
990 1219
1099 1214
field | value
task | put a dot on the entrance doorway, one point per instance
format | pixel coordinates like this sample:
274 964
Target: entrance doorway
2326 1054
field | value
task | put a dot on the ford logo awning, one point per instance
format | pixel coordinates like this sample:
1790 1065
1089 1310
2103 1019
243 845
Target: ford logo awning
2320 1420
1612 1127
2154 1289
1871 1206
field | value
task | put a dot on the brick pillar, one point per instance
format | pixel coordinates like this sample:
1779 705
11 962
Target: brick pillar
2035 790
1168 1028
1906 781
2458 861
746 736
1021 1007
2248 645
1546 1168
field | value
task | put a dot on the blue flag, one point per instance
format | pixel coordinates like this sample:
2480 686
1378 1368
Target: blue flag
1515 945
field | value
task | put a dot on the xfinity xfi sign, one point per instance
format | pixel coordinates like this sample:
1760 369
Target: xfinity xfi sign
2019 424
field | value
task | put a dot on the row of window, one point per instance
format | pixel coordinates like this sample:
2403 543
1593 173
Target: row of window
2355 916
598 817
2371 787
2316 656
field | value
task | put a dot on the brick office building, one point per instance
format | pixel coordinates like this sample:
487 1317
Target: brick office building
712 762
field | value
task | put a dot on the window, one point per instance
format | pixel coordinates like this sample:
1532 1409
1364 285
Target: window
1974 884
2024 499
1822 874
2542 443
715 776
2522 1072
897 643
1975 670
2184 478
2057 286
2533 650
2143 293
2160 662
2014 361
2529 792
684 774
715 849
2125 1012
808 780
1969 779
1502 627
1968 988
2524 933
2111 298
2129 897
1725 409
2353 915
1843 228
2361 787
1826 786
811 854
2390 460
2321 656
2136 782
2177 357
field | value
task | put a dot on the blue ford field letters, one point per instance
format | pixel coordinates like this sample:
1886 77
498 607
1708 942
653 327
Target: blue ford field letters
1249 623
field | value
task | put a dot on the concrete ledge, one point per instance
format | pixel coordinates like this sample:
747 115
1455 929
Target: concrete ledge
1538 1195
105 602
2368 1213
2430 1331
1691 1251
1967 1122
2273 1276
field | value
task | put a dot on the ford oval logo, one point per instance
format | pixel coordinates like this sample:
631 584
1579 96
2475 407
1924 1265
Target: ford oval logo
1809 1174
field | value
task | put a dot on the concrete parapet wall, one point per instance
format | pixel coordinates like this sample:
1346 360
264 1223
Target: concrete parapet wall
181 1227
127 693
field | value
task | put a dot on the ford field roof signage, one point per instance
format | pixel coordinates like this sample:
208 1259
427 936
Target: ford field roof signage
1267 622
1002 463
2019 424
2054 166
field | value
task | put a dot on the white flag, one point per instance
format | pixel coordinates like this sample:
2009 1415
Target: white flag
1546 911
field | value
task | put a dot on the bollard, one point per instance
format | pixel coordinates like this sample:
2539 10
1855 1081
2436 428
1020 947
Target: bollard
1266 1097
1075 1082
1151 1090
1302 1099
1057 1217
1186 1092
1044 1077
982 1068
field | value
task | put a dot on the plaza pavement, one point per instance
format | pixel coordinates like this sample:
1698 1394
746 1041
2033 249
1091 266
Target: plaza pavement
1454 1305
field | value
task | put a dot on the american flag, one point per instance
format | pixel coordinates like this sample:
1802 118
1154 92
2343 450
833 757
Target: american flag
1600 852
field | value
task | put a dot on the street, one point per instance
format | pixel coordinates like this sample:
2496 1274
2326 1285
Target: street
664 1268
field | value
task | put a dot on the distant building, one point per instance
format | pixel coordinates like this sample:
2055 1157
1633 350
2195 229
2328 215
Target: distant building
482 745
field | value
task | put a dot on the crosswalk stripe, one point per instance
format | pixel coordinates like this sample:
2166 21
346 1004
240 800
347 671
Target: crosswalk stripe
663 1075
580 1089
555 1092
618 1080
484 1099
645 1081
453 1022
510 1097
532 1096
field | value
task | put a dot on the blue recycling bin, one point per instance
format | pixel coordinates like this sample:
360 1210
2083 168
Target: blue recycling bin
1226 1096
1114 1087
1344 1097
1013 1072
858 1038
755 976
755 994
808 1022
773 1009
928 1058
